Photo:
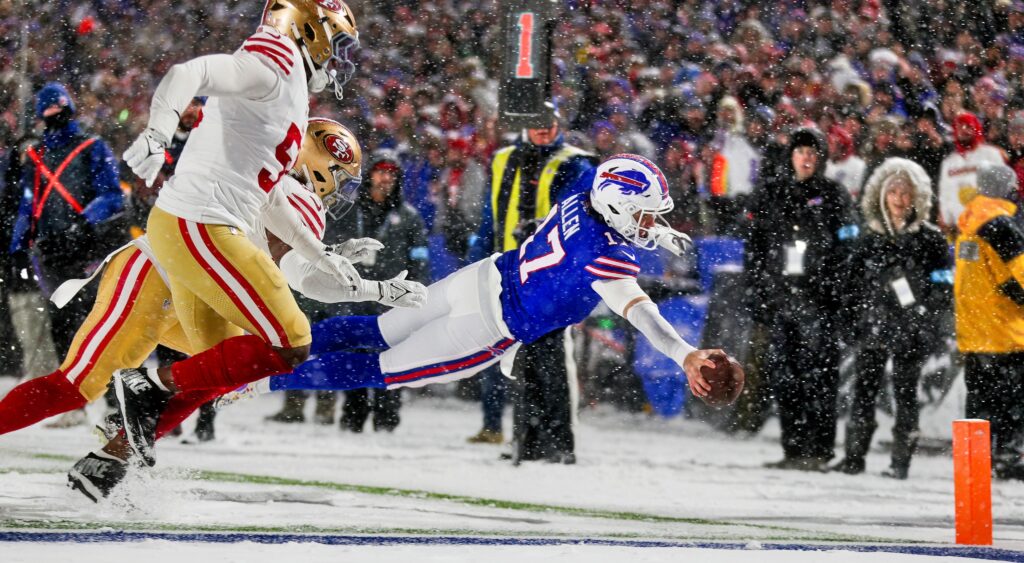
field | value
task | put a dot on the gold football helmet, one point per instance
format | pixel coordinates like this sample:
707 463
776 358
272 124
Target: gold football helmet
325 31
330 164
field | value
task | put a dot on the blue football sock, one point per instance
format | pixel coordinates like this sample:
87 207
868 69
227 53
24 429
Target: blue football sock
346 333
335 371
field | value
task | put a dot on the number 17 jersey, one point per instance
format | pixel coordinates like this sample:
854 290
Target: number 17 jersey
546 283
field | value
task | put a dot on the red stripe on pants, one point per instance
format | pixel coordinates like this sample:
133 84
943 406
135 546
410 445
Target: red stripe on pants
121 281
118 323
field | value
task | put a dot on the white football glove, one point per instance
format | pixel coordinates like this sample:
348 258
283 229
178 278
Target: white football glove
340 269
672 240
395 292
146 155
357 249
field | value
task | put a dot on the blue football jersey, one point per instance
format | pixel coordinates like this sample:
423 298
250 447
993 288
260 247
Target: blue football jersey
545 283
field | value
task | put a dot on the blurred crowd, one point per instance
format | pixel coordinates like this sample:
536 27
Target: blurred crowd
707 88
721 94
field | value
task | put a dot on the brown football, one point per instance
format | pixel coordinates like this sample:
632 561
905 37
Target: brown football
726 380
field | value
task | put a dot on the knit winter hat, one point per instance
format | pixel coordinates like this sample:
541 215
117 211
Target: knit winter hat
53 94
996 180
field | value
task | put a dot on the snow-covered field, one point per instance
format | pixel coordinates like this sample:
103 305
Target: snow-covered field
644 490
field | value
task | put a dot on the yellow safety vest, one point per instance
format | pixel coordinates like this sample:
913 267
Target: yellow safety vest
543 195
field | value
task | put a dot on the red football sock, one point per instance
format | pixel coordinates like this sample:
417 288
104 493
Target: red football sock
37 399
182 405
230 364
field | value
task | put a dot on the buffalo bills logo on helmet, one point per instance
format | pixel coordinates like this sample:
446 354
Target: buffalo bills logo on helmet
627 181
650 166
332 5
338 149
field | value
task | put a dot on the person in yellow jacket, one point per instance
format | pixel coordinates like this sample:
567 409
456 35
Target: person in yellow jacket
989 295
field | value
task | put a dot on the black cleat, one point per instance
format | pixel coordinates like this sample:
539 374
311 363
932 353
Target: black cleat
96 474
141 402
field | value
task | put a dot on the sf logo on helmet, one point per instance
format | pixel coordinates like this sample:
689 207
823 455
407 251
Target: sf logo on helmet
339 149
332 5
627 181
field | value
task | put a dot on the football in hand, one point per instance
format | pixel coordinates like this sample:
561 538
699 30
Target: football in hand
726 380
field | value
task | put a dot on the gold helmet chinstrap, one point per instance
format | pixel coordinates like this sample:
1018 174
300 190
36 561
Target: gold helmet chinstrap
330 163
325 31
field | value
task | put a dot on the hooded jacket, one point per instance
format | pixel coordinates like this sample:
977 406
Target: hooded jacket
736 161
899 281
799 237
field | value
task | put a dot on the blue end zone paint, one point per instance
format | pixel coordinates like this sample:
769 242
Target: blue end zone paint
986 553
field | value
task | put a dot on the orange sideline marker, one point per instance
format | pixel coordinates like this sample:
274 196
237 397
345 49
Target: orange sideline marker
972 477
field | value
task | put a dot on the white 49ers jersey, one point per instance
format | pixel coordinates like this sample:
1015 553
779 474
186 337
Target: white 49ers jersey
241 147
291 197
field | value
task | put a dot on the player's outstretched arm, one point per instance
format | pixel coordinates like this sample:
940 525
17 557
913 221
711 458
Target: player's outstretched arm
326 274
286 235
628 300
316 284
240 74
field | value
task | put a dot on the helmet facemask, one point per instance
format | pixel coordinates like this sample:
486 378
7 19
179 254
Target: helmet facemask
337 69
340 201
638 226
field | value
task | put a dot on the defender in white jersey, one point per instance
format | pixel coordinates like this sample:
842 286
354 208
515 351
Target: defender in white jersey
251 131
132 311
132 314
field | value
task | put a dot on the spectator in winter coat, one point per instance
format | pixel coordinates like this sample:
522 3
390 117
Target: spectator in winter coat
801 228
734 167
606 139
632 139
958 178
883 142
900 281
459 191
70 223
844 166
989 293
382 214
